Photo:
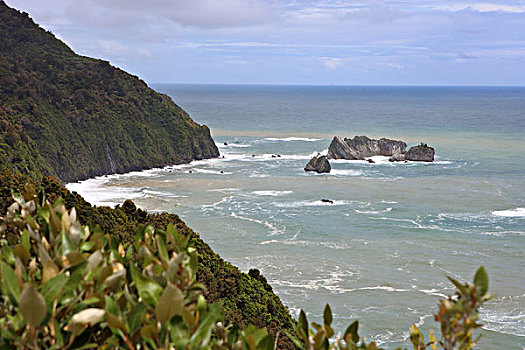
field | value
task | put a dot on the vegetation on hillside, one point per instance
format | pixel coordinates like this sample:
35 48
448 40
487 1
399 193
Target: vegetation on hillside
75 117
68 286
246 298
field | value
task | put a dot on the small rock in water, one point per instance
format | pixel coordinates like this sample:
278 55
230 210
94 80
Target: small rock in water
397 158
222 172
226 144
278 156
327 201
273 156
371 161
319 164
253 155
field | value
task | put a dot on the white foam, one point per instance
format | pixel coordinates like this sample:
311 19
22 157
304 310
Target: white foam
518 212
385 288
288 139
309 203
344 172
209 171
225 190
273 230
372 211
274 156
272 193
237 145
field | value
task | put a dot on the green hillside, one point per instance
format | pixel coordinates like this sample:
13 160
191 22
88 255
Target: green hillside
75 117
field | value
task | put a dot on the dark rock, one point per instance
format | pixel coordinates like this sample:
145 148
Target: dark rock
278 156
420 153
371 161
253 155
361 146
273 156
319 164
190 171
226 144
327 201
222 172
397 158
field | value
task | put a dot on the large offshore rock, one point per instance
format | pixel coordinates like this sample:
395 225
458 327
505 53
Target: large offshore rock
319 164
361 147
420 153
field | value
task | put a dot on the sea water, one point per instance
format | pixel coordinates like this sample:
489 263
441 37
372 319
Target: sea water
380 252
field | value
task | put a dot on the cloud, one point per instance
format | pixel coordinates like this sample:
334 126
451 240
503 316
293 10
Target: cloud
396 66
197 13
331 62
480 7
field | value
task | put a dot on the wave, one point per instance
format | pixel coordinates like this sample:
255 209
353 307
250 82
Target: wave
224 190
310 203
209 171
273 156
288 139
518 212
273 230
272 193
341 172
372 211
236 145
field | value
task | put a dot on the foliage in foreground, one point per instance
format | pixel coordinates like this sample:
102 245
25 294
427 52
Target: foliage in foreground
64 285
245 298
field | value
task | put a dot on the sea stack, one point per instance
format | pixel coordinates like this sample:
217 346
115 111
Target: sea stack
420 153
361 147
319 164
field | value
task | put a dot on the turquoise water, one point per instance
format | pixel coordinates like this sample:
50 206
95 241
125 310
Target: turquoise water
380 252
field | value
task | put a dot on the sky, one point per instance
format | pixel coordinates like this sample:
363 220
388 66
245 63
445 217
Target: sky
378 42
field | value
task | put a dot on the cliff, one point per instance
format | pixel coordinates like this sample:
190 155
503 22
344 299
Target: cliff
75 117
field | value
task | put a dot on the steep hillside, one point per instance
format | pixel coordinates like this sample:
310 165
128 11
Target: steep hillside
75 117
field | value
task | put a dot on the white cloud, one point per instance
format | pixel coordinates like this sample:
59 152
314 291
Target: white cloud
480 7
331 62
394 65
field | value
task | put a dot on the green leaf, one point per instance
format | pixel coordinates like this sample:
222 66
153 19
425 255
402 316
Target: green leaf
203 331
149 290
26 239
161 246
327 315
66 244
135 318
303 324
352 332
481 280
32 306
115 322
171 303
54 286
459 286
9 282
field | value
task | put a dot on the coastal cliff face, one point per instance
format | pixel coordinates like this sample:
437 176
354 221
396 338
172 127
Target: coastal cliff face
75 117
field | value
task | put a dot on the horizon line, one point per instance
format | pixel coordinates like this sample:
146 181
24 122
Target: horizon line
339 85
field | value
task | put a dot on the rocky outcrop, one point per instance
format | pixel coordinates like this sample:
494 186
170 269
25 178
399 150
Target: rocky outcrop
420 153
361 147
319 164
397 158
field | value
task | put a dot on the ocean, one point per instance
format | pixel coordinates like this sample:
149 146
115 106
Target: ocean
380 252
